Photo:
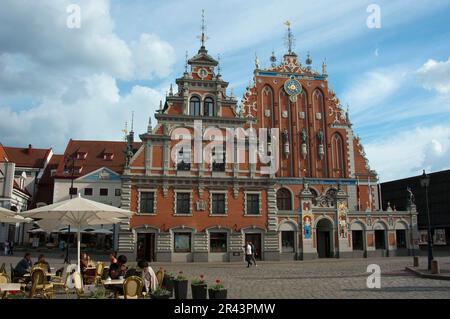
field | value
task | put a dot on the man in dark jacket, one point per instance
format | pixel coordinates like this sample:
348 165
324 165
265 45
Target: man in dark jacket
24 265
253 253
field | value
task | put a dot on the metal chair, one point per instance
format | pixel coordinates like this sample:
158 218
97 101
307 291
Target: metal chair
160 276
132 288
39 285
78 285
3 269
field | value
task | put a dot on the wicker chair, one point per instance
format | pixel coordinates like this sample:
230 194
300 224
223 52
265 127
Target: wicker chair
39 285
78 285
132 288
160 276
3 269
98 276
62 282
4 279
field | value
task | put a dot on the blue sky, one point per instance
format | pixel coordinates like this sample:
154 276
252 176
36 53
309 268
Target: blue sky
58 83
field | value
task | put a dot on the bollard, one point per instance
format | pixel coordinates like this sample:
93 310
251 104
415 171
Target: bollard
416 261
435 267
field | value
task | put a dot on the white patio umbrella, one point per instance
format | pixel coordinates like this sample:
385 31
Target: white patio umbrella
10 217
77 212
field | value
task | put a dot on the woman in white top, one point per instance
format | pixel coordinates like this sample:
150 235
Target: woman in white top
248 254
148 276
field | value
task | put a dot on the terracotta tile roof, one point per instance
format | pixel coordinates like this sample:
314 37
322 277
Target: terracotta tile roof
95 151
28 157
47 182
3 156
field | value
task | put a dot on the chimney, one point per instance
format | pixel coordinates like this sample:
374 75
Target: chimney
30 149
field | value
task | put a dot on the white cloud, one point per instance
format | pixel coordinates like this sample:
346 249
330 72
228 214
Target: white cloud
99 113
153 57
435 75
372 88
407 153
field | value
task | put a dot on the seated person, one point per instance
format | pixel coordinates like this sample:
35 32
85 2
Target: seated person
24 266
132 272
121 261
113 257
84 261
42 261
114 271
148 276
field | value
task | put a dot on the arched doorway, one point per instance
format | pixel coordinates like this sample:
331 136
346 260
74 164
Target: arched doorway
324 231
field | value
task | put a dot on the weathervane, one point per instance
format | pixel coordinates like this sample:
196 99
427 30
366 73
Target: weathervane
290 37
203 37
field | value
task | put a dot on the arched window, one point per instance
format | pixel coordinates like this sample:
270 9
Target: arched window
284 201
209 107
338 156
194 106
318 101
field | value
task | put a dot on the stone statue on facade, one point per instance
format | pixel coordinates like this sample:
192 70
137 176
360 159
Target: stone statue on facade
411 198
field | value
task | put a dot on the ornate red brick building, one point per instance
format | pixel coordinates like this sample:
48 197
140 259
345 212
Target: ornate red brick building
198 196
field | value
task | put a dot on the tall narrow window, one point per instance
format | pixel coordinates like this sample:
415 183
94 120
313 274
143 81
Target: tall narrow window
184 159
194 106
147 201
209 107
218 204
252 204
338 156
218 159
183 203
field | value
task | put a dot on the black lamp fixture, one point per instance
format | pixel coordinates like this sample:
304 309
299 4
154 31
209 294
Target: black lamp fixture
425 183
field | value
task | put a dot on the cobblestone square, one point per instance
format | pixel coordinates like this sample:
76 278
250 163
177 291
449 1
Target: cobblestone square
315 279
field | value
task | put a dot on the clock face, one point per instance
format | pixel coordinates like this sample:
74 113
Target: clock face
202 73
292 87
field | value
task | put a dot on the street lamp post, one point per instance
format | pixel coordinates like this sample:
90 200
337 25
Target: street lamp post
69 163
425 182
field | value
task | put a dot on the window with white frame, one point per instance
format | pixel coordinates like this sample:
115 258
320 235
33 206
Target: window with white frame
184 159
218 159
218 203
252 204
147 202
183 203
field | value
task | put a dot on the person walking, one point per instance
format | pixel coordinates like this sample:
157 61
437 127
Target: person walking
253 254
11 247
6 247
248 254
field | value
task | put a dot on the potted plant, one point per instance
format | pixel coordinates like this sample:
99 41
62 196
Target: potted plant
180 286
98 293
160 293
199 288
217 291
168 282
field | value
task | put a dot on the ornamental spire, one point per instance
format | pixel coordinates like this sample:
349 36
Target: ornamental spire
289 37
203 37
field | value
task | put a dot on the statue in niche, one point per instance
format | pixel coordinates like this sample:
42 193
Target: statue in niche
320 137
285 136
303 136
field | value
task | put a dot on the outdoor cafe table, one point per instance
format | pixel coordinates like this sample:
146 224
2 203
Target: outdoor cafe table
8 287
115 285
